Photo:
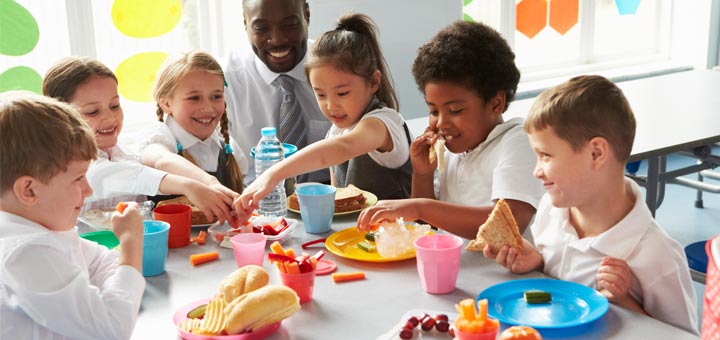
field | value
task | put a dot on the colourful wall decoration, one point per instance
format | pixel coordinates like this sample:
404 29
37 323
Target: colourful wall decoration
20 78
564 14
18 29
20 34
627 7
146 19
136 75
531 17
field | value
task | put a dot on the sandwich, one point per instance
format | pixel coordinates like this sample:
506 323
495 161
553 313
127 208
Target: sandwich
499 230
197 216
260 308
346 199
244 280
437 151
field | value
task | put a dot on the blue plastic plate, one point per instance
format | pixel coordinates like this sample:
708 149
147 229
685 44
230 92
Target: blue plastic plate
572 304
290 149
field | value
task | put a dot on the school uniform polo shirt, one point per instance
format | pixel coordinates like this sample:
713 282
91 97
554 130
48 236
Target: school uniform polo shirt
499 167
662 278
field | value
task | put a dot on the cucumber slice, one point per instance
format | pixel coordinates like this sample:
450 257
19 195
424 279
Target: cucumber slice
197 312
537 296
370 236
366 246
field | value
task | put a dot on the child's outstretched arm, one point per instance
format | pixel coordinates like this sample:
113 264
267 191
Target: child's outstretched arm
369 134
423 169
614 280
517 261
128 228
157 156
212 202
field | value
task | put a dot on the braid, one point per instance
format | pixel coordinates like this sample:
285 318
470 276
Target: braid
188 156
160 113
236 177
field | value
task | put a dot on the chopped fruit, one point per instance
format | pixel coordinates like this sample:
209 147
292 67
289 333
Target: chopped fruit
441 317
442 326
121 207
370 236
406 334
428 324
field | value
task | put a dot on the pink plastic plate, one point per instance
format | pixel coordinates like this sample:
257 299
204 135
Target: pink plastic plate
181 315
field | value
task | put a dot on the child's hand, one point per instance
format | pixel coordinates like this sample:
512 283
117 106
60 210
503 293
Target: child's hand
128 228
212 202
420 151
225 190
387 211
241 214
254 193
614 279
517 261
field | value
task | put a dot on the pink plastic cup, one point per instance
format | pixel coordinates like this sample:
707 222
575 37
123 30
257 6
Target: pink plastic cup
249 248
302 284
460 335
438 262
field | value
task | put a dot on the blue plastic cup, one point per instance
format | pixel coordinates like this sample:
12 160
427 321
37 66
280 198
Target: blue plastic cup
155 247
317 206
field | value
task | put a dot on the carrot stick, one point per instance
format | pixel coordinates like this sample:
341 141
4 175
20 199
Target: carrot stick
280 266
344 277
482 310
290 252
292 268
196 259
202 236
121 207
277 248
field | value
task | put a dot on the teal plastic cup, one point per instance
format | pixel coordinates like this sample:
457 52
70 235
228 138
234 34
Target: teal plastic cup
155 247
317 206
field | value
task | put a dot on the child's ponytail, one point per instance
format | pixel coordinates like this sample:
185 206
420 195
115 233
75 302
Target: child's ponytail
236 177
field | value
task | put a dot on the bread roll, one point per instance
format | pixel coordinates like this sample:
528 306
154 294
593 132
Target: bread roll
242 281
260 308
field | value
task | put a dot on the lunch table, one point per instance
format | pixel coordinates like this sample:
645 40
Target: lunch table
366 309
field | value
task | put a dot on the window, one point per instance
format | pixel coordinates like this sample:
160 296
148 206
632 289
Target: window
557 38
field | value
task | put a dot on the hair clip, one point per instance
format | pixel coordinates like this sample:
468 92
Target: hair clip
225 82
228 149
179 147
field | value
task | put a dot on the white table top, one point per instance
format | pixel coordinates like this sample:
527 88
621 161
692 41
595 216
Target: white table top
354 310
674 112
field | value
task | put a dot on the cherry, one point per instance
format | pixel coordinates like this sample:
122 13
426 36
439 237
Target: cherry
442 326
406 334
428 324
414 320
441 317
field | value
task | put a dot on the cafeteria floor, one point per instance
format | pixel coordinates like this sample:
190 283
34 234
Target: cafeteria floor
680 219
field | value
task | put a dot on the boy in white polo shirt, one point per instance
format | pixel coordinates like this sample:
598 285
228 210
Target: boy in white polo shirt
592 226
468 75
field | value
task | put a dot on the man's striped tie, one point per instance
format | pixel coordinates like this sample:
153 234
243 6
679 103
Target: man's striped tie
292 124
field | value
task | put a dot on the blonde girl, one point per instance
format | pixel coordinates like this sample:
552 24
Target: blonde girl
368 144
117 174
189 92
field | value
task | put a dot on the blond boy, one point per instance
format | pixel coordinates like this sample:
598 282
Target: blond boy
53 284
592 225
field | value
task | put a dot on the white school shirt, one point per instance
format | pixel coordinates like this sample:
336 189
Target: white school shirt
205 152
662 279
56 285
499 167
253 102
120 173
393 121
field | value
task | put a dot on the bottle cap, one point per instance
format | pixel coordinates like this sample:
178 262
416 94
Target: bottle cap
268 131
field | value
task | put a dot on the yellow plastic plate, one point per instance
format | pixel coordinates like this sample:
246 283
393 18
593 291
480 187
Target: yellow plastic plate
370 200
344 244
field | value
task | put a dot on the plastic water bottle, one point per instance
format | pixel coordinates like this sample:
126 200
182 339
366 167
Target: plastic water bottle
268 152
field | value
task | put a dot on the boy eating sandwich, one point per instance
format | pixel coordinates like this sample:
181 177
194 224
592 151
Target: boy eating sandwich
592 225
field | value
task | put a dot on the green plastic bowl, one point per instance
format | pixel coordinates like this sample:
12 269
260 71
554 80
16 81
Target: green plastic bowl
102 237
